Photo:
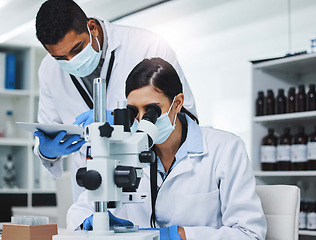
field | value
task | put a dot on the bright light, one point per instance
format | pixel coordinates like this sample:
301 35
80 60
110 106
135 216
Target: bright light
16 31
3 3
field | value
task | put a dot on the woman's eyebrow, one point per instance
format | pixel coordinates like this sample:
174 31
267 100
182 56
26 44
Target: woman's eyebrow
151 103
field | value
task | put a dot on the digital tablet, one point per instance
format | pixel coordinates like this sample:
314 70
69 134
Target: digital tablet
52 130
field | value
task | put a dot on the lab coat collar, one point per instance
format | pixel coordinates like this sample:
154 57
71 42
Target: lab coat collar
193 147
194 141
112 41
192 144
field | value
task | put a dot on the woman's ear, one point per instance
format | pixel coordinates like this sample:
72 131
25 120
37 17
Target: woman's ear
178 102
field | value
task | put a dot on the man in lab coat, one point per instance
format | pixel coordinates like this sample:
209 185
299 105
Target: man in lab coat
81 49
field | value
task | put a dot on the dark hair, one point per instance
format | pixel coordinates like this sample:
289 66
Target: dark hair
159 74
56 18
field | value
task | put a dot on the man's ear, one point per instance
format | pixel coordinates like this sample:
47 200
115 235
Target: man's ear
178 102
92 25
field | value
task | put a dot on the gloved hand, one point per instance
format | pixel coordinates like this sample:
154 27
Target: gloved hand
52 148
86 118
114 221
167 233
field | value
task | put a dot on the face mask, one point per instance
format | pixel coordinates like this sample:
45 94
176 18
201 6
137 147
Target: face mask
134 126
84 63
164 126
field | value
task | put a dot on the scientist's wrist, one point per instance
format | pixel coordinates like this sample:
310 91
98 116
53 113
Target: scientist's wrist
181 233
42 156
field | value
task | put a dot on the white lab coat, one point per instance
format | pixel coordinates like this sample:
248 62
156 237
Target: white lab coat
60 102
211 194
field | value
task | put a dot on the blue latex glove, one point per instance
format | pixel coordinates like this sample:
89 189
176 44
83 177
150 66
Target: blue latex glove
53 147
114 221
167 233
86 118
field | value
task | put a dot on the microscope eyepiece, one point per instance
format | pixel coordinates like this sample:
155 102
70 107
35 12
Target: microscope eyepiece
133 111
153 111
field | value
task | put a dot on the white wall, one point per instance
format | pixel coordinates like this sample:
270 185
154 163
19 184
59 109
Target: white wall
215 39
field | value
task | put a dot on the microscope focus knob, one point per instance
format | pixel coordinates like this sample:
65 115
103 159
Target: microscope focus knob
106 130
147 157
79 175
125 176
90 179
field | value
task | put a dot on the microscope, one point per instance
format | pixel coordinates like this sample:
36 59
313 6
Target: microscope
115 161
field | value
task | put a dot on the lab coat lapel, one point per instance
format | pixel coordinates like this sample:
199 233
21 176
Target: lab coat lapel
183 166
113 42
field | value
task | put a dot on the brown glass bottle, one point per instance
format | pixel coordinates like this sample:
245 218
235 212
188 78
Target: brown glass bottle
291 100
311 212
260 104
311 98
268 151
269 103
303 215
284 151
299 151
301 99
311 151
280 102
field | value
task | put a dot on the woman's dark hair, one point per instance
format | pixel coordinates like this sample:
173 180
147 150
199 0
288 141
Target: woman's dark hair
161 75
56 18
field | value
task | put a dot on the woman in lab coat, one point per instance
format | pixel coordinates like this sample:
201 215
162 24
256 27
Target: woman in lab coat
205 180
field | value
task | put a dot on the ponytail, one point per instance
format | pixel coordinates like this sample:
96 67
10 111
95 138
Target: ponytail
184 110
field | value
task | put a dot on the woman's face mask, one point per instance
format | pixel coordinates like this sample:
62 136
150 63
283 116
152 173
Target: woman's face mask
163 124
84 63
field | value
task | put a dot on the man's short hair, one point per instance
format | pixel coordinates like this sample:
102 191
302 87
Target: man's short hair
56 18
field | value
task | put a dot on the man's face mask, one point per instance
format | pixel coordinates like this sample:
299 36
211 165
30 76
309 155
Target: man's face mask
84 63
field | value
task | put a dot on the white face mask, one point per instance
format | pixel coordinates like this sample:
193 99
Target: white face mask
84 63
164 126
135 125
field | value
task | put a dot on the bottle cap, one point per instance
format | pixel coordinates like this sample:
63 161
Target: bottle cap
281 91
286 130
301 87
270 91
311 86
292 89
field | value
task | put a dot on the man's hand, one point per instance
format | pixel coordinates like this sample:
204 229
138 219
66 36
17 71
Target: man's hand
86 118
54 147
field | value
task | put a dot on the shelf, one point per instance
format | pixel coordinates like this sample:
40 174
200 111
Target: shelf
307 233
284 173
286 116
15 142
49 191
14 93
295 64
13 190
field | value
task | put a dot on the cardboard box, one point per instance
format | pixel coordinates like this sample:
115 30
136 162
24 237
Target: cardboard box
28 232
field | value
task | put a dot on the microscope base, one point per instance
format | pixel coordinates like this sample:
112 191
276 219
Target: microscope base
83 235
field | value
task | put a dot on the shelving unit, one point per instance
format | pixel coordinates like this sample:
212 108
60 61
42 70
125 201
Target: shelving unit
284 73
23 101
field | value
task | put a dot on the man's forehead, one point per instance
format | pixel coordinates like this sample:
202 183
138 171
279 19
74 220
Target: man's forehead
66 44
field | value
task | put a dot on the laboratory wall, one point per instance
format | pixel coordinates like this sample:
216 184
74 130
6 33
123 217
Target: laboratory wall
214 41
